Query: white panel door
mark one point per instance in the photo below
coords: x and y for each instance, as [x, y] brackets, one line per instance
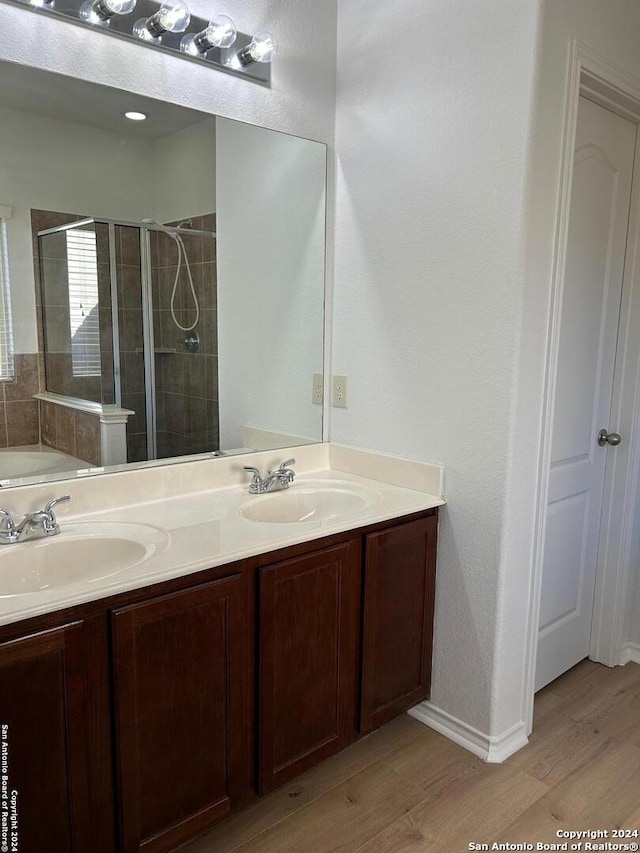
[598, 221]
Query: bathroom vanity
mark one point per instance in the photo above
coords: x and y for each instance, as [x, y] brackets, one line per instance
[168, 696]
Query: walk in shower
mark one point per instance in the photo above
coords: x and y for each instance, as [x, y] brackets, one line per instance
[129, 320]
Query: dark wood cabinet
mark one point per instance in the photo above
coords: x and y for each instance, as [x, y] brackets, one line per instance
[43, 740]
[308, 649]
[399, 587]
[180, 712]
[136, 722]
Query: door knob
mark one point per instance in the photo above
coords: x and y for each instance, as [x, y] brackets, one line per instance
[611, 438]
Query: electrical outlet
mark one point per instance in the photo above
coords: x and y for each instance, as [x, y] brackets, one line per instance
[317, 394]
[339, 392]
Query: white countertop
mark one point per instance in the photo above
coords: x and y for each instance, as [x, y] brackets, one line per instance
[206, 529]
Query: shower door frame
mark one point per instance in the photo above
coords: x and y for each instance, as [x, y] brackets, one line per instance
[115, 322]
[148, 344]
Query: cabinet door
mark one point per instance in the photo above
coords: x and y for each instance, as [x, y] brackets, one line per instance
[180, 723]
[43, 743]
[309, 639]
[398, 620]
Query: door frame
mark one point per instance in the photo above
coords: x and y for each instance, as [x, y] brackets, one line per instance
[591, 75]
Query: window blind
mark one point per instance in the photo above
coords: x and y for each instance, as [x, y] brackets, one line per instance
[82, 262]
[6, 327]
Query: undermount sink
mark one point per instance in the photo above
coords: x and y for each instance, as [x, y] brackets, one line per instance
[307, 503]
[80, 553]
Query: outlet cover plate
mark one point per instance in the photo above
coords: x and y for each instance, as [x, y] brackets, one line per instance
[317, 391]
[339, 392]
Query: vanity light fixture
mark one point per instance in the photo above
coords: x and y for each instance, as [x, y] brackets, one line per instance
[261, 49]
[172, 17]
[220, 32]
[168, 26]
[132, 115]
[101, 11]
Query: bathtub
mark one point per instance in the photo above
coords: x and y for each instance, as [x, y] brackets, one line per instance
[35, 461]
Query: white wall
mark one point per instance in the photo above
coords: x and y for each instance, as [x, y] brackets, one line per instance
[444, 245]
[56, 165]
[612, 30]
[270, 197]
[185, 172]
[432, 155]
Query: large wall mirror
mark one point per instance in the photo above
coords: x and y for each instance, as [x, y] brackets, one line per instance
[162, 281]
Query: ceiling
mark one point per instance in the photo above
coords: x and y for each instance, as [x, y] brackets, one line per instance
[68, 99]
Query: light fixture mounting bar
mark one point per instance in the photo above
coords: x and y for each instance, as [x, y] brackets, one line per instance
[121, 26]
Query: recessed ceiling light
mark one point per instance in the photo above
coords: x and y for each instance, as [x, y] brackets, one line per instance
[134, 116]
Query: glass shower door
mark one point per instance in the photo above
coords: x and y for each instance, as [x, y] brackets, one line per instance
[130, 319]
[128, 262]
[183, 286]
[76, 300]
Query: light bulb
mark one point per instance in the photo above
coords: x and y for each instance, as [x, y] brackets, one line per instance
[100, 11]
[172, 17]
[220, 32]
[262, 49]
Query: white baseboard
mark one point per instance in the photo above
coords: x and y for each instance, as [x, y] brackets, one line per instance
[630, 653]
[494, 749]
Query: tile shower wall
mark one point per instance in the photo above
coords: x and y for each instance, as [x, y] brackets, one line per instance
[70, 431]
[186, 382]
[25, 421]
[19, 415]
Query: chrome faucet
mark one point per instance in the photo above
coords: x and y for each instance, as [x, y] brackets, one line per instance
[35, 525]
[274, 481]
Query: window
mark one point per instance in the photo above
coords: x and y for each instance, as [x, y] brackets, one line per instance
[82, 262]
[6, 326]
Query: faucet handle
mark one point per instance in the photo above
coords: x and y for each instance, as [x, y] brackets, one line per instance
[284, 471]
[8, 531]
[49, 522]
[257, 483]
[257, 476]
[55, 502]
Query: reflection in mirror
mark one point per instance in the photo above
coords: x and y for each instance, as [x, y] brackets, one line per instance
[102, 346]
[162, 289]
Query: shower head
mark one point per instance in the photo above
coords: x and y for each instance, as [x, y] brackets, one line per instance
[168, 230]
[186, 223]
